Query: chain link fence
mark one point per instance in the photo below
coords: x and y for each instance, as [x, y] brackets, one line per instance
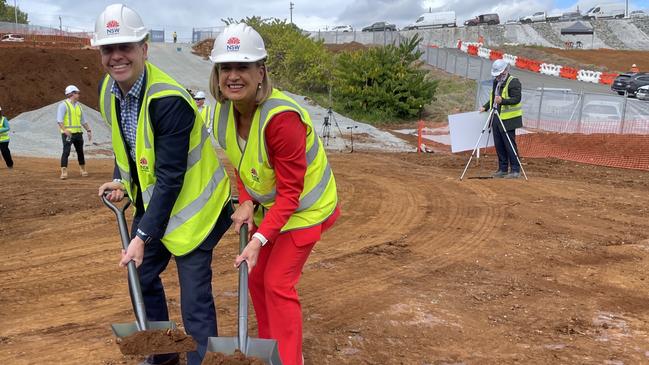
[28, 29]
[200, 34]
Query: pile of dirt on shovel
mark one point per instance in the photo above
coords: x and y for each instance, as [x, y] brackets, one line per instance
[238, 358]
[156, 342]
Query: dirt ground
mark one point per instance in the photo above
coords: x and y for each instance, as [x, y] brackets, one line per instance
[32, 78]
[421, 268]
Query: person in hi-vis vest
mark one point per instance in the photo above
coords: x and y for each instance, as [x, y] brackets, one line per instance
[4, 141]
[281, 165]
[167, 166]
[203, 109]
[70, 118]
[506, 95]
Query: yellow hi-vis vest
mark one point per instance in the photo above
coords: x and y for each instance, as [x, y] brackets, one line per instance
[507, 111]
[72, 118]
[4, 136]
[205, 115]
[318, 198]
[206, 187]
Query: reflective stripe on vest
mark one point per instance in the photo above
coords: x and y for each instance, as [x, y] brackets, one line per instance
[4, 136]
[319, 197]
[508, 111]
[72, 118]
[206, 187]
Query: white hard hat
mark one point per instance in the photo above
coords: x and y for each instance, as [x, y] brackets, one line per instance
[199, 95]
[498, 67]
[238, 43]
[118, 24]
[70, 89]
[634, 65]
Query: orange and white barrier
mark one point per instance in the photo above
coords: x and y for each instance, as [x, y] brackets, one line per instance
[589, 76]
[551, 69]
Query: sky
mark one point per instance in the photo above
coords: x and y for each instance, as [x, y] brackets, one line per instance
[182, 16]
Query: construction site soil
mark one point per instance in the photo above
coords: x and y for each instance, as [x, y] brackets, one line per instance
[420, 269]
[32, 78]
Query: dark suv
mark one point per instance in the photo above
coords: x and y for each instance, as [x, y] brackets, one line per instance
[621, 82]
[638, 80]
[489, 19]
[380, 27]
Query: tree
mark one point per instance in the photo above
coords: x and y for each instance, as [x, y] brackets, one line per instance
[7, 13]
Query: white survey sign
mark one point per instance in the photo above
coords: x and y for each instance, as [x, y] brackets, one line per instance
[465, 129]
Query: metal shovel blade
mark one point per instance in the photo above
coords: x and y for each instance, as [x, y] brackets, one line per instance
[266, 350]
[126, 329]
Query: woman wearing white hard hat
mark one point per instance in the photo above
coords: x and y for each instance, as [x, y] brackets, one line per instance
[180, 191]
[71, 118]
[506, 97]
[281, 165]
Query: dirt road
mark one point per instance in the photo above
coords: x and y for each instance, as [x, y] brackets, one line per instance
[420, 269]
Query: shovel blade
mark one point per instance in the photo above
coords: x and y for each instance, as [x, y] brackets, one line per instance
[126, 329]
[264, 349]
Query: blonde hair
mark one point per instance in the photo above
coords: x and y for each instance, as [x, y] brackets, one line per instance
[263, 93]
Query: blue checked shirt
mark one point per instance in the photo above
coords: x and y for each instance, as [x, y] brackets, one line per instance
[129, 107]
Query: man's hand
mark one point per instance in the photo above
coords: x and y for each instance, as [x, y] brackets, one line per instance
[242, 215]
[498, 100]
[89, 136]
[67, 132]
[482, 109]
[117, 191]
[135, 253]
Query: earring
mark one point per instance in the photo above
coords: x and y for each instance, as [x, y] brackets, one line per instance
[259, 86]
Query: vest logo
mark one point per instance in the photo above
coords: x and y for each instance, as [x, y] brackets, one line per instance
[254, 174]
[144, 164]
[112, 27]
[233, 44]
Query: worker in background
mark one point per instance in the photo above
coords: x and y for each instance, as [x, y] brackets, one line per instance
[281, 165]
[175, 36]
[71, 118]
[505, 96]
[634, 69]
[180, 191]
[4, 140]
[203, 109]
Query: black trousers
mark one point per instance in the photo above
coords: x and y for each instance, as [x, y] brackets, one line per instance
[195, 279]
[75, 139]
[506, 155]
[6, 154]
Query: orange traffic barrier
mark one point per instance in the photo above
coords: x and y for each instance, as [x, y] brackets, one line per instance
[472, 50]
[521, 62]
[568, 73]
[607, 78]
[495, 55]
[534, 66]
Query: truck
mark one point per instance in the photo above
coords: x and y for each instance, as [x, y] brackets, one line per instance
[441, 19]
[490, 19]
[611, 10]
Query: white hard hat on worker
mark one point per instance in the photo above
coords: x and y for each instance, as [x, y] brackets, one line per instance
[498, 67]
[71, 89]
[199, 95]
[118, 24]
[239, 72]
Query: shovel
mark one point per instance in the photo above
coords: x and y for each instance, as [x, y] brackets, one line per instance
[141, 324]
[265, 350]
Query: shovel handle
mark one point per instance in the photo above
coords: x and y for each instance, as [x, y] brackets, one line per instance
[243, 292]
[137, 300]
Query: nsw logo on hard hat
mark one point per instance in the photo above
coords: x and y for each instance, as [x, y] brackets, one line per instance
[233, 44]
[112, 27]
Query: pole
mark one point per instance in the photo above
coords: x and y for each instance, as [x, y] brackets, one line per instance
[16, 12]
[291, 5]
[60, 25]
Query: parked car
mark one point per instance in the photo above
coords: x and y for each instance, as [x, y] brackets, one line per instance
[638, 14]
[539, 16]
[613, 10]
[601, 110]
[380, 26]
[643, 93]
[342, 28]
[621, 82]
[511, 21]
[12, 38]
[489, 19]
[570, 16]
[638, 80]
[431, 20]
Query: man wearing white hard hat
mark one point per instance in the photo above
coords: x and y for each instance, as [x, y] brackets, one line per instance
[281, 165]
[506, 97]
[164, 164]
[70, 118]
[203, 109]
[4, 141]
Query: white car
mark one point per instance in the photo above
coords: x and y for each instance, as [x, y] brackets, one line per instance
[12, 38]
[342, 28]
[642, 93]
[601, 116]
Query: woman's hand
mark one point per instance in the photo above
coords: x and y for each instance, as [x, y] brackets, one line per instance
[243, 214]
[250, 254]
[116, 191]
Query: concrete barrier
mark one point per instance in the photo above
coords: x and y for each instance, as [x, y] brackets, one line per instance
[551, 69]
[484, 52]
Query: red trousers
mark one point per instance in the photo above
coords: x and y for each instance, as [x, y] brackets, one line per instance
[272, 289]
